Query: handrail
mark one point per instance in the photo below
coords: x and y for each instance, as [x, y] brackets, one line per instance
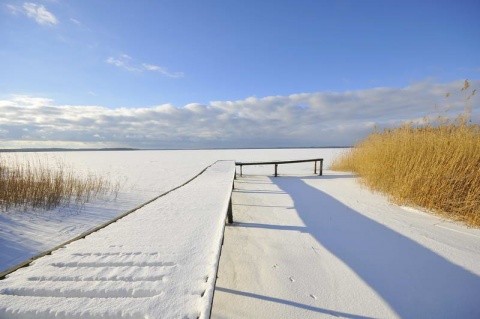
[276, 163]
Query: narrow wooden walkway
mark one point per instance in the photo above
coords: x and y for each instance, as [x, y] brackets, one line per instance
[159, 262]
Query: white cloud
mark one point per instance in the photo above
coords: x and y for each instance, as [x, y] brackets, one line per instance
[13, 9]
[34, 11]
[39, 13]
[305, 119]
[126, 62]
[164, 71]
[28, 101]
[123, 62]
[75, 21]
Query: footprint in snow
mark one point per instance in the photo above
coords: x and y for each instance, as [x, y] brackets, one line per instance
[275, 266]
[313, 296]
[291, 279]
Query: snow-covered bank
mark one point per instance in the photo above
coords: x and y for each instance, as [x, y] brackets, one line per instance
[317, 247]
[142, 175]
[159, 262]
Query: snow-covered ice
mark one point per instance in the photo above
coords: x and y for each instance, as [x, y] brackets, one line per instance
[158, 262]
[321, 247]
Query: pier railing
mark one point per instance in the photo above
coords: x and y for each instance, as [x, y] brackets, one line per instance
[276, 163]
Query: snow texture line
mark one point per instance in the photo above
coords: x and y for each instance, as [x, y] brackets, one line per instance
[115, 254]
[96, 264]
[84, 289]
[105, 278]
[82, 293]
[454, 230]
[113, 314]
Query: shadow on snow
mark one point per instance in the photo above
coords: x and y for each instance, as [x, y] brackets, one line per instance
[292, 303]
[413, 280]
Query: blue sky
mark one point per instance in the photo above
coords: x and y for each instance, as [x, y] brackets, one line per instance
[230, 57]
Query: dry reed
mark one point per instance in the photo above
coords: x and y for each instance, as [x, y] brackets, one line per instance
[37, 185]
[435, 166]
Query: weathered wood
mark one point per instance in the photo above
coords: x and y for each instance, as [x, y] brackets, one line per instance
[276, 163]
[230, 205]
[230, 212]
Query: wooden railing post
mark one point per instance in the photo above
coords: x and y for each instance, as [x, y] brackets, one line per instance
[276, 166]
[315, 168]
[230, 212]
[321, 168]
[230, 206]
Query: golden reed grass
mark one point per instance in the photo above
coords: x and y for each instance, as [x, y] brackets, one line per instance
[435, 166]
[37, 185]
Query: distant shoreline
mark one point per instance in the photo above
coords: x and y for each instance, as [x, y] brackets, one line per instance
[32, 150]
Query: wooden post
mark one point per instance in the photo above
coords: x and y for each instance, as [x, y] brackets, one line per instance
[276, 165]
[230, 207]
[321, 168]
[315, 168]
[241, 170]
[230, 212]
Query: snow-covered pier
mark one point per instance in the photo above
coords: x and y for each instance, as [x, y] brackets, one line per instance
[325, 247]
[159, 262]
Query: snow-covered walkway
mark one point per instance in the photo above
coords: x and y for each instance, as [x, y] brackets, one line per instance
[158, 262]
[322, 247]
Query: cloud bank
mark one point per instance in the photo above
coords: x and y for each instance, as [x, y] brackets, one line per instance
[298, 120]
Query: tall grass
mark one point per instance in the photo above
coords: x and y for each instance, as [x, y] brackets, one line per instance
[435, 166]
[37, 185]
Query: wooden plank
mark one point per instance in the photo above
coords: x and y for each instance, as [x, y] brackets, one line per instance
[277, 162]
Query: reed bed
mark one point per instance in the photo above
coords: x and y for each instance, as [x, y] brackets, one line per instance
[32, 185]
[435, 166]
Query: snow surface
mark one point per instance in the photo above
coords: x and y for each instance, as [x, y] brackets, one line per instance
[158, 262]
[302, 247]
[143, 175]
[322, 247]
